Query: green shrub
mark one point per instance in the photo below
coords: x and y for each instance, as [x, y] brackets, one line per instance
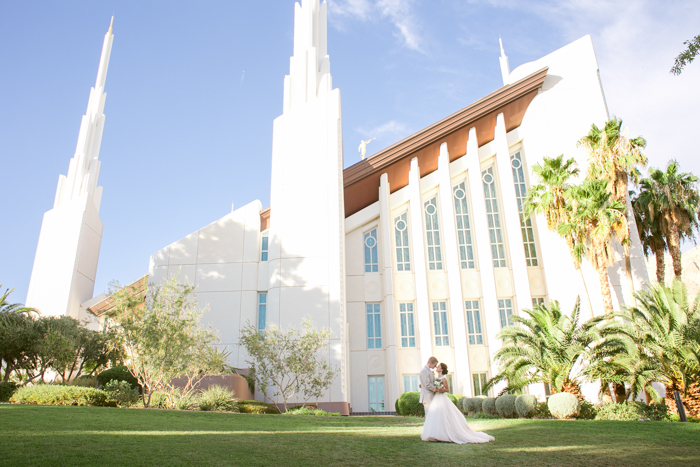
[453, 398]
[188, 402]
[160, 400]
[257, 407]
[311, 411]
[218, 398]
[542, 411]
[396, 407]
[473, 405]
[56, 394]
[121, 393]
[628, 411]
[120, 373]
[409, 404]
[458, 396]
[526, 405]
[302, 406]
[564, 405]
[489, 406]
[505, 406]
[460, 404]
[588, 411]
[6, 390]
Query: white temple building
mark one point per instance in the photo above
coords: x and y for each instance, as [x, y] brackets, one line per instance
[416, 251]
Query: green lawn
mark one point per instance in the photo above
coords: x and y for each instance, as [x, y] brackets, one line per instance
[76, 436]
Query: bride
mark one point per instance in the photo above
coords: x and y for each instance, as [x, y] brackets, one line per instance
[444, 422]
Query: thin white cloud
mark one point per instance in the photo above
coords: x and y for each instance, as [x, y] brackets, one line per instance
[399, 12]
[388, 129]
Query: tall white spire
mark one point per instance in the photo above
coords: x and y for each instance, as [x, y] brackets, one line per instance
[65, 266]
[505, 67]
[84, 167]
[309, 67]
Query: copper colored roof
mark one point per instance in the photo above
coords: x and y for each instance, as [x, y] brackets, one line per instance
[138, 287]
[361, 180]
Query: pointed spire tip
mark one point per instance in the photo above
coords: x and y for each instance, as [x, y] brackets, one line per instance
[111, 23]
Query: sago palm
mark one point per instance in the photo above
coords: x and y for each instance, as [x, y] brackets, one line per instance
[614, 157]
[595, 219]
[674, 203]
[666, 326]
[546, 346]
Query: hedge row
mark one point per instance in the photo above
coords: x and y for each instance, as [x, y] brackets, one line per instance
[408, 404]
[54, 394]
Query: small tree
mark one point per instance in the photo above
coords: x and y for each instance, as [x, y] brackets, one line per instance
[289, 363]
[162, 339]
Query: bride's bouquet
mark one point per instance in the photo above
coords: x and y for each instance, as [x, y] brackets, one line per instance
[438, 384]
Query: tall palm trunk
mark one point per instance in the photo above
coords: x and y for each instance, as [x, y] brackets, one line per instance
[660, 265]
[674, 247]
[604, 282]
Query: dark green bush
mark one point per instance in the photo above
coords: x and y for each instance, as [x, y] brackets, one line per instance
[396, 407]
[120, 373]
[628, 411]
[460, 404]
[564, 405]
[409, 404]
[257, 407]
[121, 393]
[84, 381]
[473, 405]
[587, 411]
[56, 394]
[308, 410]
[301, 406]
[543, 411]
[489, 406]
[219, 399]
[526, 405]
[160, 400]
[505, 406]
[6, 390]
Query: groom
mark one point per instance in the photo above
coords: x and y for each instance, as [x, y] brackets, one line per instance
[427, 388]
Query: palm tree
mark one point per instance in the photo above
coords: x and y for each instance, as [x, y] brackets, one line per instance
[650, 233]
[613, 156]
[595, 219]
[666, 325]
[674, 201]
[547, 346]
[548, 197]
[7, 307]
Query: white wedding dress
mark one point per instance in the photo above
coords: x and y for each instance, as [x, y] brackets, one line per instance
[444, 422]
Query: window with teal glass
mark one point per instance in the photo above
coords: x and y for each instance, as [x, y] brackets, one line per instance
[376, 393]
[408, 329]
[403, 256]
[464, 232]
[371, 255]
[374, 326]
[475, 335]
[440, 327]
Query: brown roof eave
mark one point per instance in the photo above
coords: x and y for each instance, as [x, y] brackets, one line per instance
[444, 127]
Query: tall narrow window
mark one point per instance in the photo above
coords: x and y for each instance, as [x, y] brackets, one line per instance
[516, 163]
[371, 256]
[476, 337]
[479, 383]
[264, 246]
[408, 330]
[262, 311]
[505, 309]
[374, 326]
[442, 336]
[432, 232]
[376, 393]
[498, 251]
[537, 301]
[410, 383]
[403, 258]
[464, 233]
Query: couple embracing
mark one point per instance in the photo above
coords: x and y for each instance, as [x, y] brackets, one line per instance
[443, 421]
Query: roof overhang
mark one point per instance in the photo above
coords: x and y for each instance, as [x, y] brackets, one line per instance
[361, 181]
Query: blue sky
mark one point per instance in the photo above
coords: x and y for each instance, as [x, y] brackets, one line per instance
[193, 88]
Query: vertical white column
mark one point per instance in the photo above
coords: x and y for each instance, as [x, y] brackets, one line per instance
[511, 217]
[385, 225]
[461, 377]
[418, 244]
[483, 245]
